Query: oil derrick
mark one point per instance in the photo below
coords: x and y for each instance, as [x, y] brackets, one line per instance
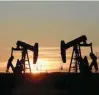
[76, 53]
[24, 47]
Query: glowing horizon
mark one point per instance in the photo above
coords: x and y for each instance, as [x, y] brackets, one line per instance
[49, 59]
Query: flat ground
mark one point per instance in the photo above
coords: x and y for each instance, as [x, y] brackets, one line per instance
[49, 84]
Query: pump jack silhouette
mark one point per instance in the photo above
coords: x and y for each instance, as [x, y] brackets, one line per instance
[76, 53]
[24, 47]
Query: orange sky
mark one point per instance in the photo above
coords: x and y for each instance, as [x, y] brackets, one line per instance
[47, 23]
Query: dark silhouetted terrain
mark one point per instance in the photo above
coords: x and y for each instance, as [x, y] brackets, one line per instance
[49, 84]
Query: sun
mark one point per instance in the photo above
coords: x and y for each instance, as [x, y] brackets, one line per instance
[39, 66]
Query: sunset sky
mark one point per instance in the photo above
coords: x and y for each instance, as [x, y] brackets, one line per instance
[47, 23]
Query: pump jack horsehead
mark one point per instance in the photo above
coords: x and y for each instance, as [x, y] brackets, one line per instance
[24, 47]
[76, 44]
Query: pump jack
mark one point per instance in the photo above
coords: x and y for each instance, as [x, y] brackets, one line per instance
[24, 47]
[76, 53]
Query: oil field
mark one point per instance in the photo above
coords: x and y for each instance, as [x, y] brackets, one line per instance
[49, 47]
[81, 81]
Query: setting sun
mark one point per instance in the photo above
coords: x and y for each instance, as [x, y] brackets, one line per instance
[40, 66]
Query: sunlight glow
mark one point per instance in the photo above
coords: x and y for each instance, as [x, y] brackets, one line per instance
[40, 66]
